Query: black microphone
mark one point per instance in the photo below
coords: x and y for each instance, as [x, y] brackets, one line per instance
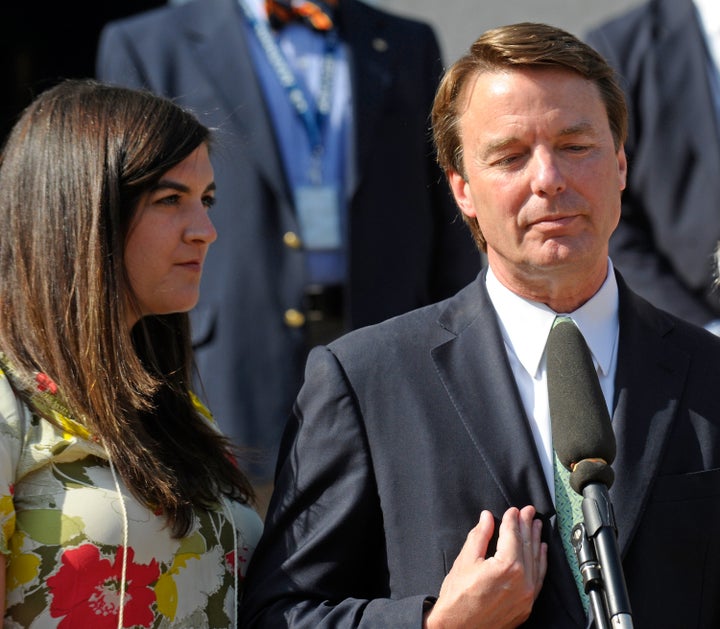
[584, 441]
[582, 433]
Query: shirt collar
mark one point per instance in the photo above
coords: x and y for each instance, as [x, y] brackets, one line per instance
[526, 324]
[257, 8]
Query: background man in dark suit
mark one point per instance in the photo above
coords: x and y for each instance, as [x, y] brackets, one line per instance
[667, 56]
[301, 256]
[405, 432]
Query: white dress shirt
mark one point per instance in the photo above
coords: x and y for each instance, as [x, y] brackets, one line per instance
[525, 326]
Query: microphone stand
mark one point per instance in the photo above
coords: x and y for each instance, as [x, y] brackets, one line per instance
[598, 555]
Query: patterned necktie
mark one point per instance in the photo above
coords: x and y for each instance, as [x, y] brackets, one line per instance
[317, 14]
[568, 507]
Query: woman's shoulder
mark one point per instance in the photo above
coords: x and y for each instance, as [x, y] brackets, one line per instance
[248, 524]
[14, 414]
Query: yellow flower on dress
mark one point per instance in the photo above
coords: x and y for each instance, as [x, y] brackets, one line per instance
[166, 591]
[7, 516]
[200, 407]
[23, 567]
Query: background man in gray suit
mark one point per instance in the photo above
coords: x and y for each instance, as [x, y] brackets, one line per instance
[667, 53]
[301, 255]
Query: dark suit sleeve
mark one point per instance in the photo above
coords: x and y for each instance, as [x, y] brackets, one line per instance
[633, 247]
[321, 561]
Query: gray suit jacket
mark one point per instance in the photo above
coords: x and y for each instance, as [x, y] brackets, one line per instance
[670, 222]
[405, 431]
[407, 246]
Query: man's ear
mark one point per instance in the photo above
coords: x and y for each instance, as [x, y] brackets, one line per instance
[622, 167]
[461, 191]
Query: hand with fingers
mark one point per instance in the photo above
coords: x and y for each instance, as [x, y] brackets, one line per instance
[496, 592]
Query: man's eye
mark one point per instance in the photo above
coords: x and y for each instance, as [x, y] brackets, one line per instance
[507, 160]
[208, 201]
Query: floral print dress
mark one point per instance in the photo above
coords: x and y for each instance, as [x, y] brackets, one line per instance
[71, 530]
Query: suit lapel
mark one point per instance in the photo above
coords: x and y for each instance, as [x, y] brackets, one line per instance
[475, 372]
[219, 39]
[368, 50]
[682, 66]
[650, 378]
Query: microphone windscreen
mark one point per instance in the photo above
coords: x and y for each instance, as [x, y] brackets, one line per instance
[581, 427]
[591, 471]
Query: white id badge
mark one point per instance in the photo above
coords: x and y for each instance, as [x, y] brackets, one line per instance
[319, 214]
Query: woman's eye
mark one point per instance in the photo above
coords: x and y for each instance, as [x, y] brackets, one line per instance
[172, 199]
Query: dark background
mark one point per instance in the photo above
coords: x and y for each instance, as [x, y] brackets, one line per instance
[42, 43]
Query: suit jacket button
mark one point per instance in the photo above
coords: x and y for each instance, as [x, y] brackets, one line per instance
[380, 44]
[292, 240]
[294, 318]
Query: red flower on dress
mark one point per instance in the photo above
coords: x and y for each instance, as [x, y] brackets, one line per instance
[45, 383]
[236, 563]
[85, 591]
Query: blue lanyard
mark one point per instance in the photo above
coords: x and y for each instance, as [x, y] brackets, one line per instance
[314, 124]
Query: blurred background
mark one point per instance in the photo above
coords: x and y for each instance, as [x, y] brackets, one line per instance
[459, 22]
[42, 42]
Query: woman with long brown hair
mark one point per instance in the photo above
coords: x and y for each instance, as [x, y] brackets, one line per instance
[120, 502]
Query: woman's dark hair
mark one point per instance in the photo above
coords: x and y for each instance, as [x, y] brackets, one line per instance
[71, 174]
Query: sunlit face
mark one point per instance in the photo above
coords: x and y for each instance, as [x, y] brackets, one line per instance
[543, 177]
[169, 238]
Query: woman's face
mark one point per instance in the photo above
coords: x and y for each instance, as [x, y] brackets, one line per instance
[169, 237]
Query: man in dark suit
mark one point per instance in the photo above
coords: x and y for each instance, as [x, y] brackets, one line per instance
[405, 432]
[268, 292]
[670, 222]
